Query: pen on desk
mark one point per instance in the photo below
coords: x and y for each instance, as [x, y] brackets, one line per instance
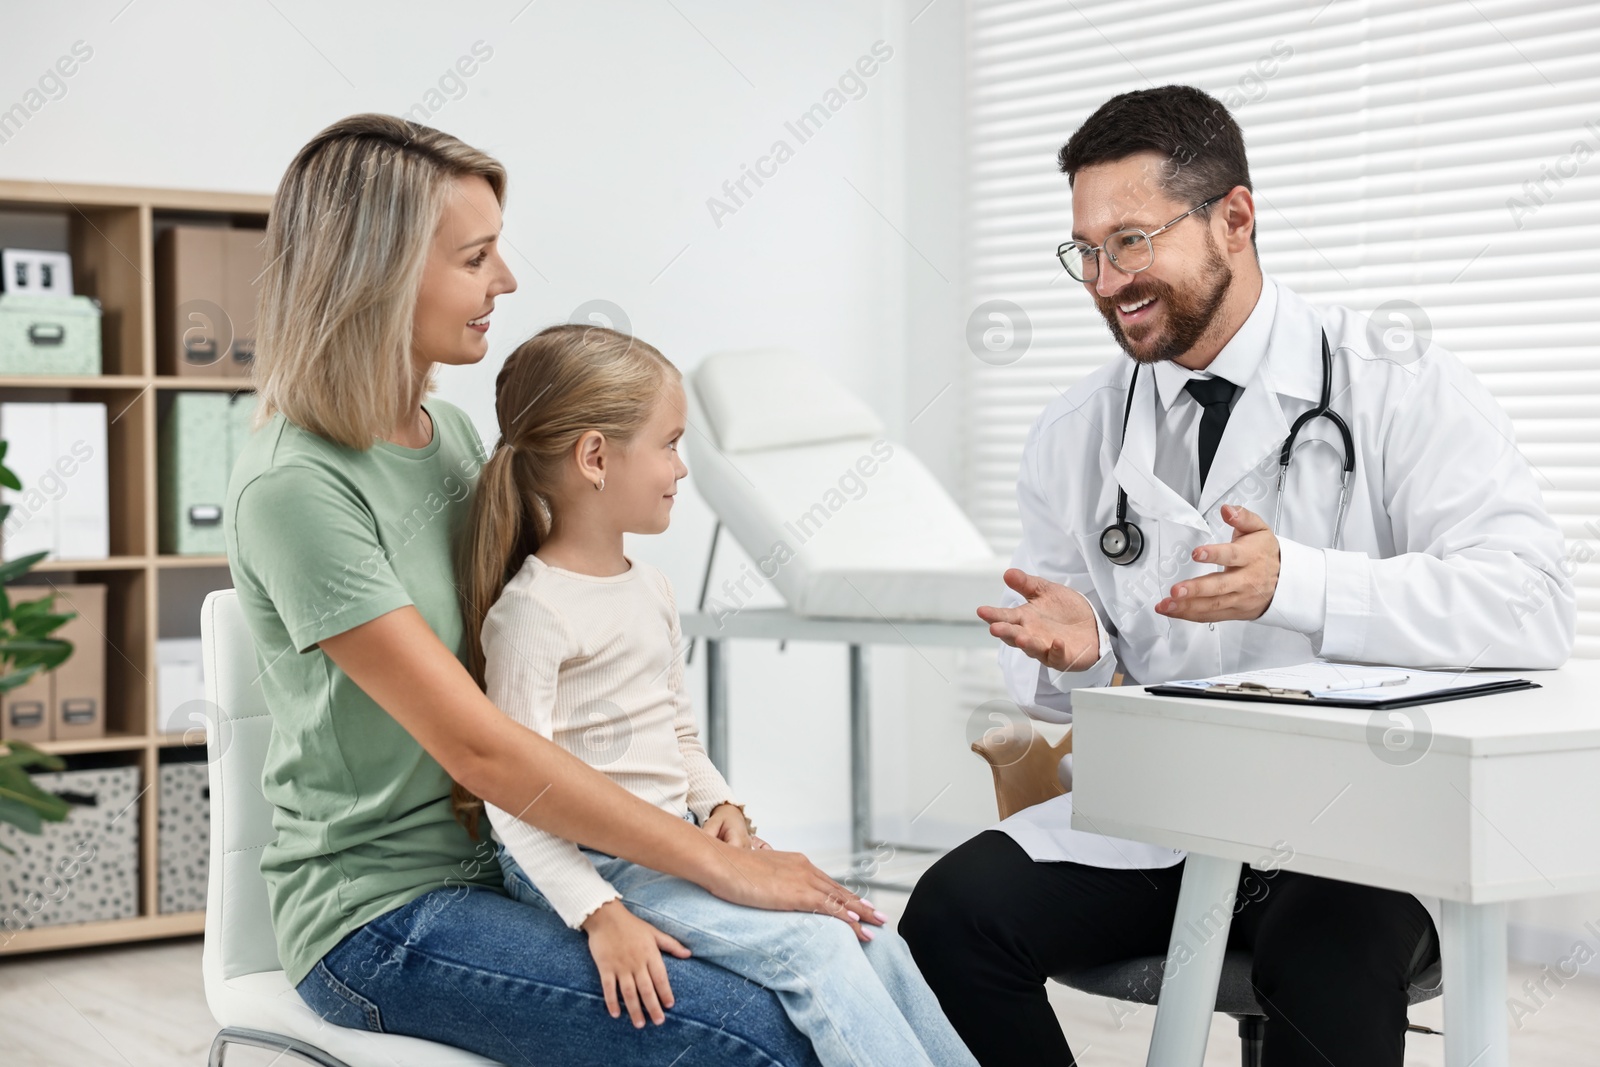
[1365, 683]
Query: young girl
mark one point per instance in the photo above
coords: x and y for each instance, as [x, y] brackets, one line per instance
[581, 644]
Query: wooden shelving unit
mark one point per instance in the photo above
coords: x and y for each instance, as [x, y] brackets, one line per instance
[111, 232]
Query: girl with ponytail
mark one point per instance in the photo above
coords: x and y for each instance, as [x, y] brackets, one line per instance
[579, 642]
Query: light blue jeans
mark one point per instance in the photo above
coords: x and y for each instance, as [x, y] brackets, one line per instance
[862, 1005]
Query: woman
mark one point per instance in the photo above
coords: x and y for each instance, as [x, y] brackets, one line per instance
[343, 514]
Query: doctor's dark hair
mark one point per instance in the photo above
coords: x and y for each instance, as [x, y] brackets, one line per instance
[1199, 140]
[558, 385]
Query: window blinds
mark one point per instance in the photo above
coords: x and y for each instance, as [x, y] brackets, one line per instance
[1440, 153]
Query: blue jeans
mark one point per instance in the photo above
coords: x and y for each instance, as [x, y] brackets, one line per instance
[862, 1005]
[473, 968]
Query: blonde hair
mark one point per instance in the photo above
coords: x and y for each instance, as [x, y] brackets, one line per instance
[558, 385]
[348, 236]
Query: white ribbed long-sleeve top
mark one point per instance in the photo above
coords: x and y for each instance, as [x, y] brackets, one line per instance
[594, 664]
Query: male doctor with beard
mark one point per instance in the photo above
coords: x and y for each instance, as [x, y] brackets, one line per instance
[1434, 551]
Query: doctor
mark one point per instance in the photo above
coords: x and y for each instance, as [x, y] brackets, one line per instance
[1409, 531]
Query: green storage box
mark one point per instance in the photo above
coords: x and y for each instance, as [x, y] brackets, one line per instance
[42, 334]
[200, 439]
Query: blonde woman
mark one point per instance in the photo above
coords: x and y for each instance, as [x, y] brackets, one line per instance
[344, 514]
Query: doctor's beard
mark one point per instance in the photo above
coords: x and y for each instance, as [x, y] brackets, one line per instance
[1185, 316]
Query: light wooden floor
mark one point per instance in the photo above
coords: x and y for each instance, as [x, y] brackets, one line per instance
[144, 1006]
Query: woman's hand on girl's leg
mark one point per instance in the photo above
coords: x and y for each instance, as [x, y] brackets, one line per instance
[627, 950]
[787, 881]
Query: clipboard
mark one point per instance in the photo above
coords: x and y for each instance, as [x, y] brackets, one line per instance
[1277, 695]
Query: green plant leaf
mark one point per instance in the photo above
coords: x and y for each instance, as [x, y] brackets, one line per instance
[16, 568]
[19, 677]
[15, 754]
[44, 645]
[41, 606]
[9, 480]
[25, 649]
[21, 816]
[33, 799]
[43, 625]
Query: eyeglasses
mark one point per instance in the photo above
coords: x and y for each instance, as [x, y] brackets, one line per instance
[1129, 250]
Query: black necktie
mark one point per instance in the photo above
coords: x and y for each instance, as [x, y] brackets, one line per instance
[1214, 394]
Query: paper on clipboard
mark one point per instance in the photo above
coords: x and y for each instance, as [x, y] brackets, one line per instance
[1321, 679]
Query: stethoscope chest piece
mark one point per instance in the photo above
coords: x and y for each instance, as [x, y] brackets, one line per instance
[1122, 542]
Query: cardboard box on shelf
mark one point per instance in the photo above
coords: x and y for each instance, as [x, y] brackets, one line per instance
[78, 703]
[180, 683]
[26, 715]
[67, 703]
[58, 451]
[200, 439]
[206, 282]
[245, 262]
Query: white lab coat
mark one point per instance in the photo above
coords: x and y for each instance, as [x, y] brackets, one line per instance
[1448, 558]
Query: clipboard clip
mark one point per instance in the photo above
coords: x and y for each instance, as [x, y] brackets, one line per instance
[1258, 690]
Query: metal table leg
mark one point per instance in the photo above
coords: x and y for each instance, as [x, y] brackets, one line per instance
[1472, 944]
[860, 754]
[717, 706]
[1194, 961]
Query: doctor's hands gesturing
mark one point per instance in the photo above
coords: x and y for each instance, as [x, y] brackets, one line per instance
[1243, 588]
[1054, 624]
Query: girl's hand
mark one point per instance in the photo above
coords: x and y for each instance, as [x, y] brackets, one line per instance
[787, 881]
[728, 823]
[628, 952]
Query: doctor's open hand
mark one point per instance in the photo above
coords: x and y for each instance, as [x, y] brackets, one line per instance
[1054, 624]
[1243, 588]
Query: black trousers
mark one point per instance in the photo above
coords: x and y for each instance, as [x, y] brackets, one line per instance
[988, 926]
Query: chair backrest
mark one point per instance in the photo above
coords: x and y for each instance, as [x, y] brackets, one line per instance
[239, 938]
[1027, 768]
[796, 457]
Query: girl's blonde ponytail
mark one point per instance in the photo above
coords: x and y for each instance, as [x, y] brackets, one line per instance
[558, 385]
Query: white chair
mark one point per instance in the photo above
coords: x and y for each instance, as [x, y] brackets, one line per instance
[790, 455]
[246, 988]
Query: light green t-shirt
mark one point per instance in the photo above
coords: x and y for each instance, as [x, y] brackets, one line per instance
[322, 538]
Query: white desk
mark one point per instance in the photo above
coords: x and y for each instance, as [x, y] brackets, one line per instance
[1497, 799]
[780, 624]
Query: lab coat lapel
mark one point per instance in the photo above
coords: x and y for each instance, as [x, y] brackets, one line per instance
[1255, 427]
[1258, 424]
[1148, 495]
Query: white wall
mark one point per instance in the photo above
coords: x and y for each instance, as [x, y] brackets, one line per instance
[617, 122]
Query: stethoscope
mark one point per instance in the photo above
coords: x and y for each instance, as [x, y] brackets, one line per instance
[1123, 541]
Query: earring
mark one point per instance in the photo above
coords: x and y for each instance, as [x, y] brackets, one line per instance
[601, 485]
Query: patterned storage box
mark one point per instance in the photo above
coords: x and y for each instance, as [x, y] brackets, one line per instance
[201, 436]
[183, 842]
[84, 869]
[42, 333]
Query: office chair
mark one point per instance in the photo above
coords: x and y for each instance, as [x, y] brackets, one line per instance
[246, 988]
